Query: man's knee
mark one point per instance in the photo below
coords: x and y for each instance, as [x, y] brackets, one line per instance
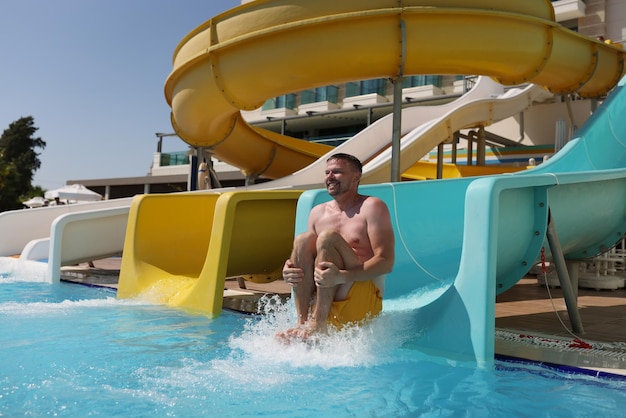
[328, 237]
[305, 240]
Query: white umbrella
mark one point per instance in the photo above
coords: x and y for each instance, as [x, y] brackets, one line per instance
[76, 192]
[35, 202]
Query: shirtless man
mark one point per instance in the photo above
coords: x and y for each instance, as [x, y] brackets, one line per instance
[340, 263]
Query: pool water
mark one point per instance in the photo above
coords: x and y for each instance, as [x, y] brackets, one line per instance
[73, 351]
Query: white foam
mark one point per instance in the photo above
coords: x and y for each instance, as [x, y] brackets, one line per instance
[17, 270]
[63, 307]
[417, 299]
[255, 360]
[257, 357]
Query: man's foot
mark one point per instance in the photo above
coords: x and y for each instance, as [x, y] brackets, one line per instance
[307, 332]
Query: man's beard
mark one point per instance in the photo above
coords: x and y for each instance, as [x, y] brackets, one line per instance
[334, 188]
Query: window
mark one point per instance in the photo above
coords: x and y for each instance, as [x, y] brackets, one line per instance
[174, 158]
[359, 88]
[320, 94]
[287, 101]
[422, 80]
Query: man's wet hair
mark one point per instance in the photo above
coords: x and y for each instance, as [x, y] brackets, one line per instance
[349, 158]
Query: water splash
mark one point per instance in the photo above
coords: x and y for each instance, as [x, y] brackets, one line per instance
[164, 291]
[256, 347]
[418, 298]
[253, 362]
[67, 307]
[17, 270]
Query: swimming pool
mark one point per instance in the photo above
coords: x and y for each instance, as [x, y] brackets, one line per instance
[70, 350]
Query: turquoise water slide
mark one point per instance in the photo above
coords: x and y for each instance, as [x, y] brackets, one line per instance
[460, 242]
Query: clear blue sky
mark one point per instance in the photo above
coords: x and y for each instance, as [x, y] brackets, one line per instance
[91, 73]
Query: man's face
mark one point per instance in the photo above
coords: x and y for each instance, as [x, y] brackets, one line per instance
[340, 177]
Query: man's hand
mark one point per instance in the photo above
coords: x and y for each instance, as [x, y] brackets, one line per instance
[327, 274]
[292, 274]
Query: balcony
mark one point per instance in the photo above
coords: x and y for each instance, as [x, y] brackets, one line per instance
[279, 107]
[321, 99]
[568, 9]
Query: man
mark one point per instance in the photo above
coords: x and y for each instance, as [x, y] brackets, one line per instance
[340, 263]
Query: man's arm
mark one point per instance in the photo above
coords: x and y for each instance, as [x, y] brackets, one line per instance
[380, 232]
[382, 239]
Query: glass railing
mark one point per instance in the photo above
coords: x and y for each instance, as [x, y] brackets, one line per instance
[320, 94]
[330, 140]
[287, 101]
[359, 88]
[174, 158]
[421, 80]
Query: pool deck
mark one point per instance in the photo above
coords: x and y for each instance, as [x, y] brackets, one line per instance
[531, 319]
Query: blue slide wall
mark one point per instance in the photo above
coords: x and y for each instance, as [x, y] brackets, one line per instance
[459, 242]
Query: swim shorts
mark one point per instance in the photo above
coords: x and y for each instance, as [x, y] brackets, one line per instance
[363, 301]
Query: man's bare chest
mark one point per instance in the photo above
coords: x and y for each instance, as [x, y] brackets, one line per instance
[353, 229]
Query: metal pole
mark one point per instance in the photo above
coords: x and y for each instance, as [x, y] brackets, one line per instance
[470, 148]
[455, 141]
[192, 183]
[563, 275]
[480, 146]
[439, 161]
[397, 107]
[396, 129]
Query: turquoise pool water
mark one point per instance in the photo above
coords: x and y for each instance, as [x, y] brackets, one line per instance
[74, 351]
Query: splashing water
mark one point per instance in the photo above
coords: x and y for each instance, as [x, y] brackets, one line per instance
[15, 269]
[352, 346]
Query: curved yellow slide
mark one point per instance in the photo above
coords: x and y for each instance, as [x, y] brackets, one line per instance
[184, 261]
[267, 48]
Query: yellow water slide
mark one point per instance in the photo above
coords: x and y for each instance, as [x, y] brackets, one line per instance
[180, 248]
[425, 170]
[268, 48]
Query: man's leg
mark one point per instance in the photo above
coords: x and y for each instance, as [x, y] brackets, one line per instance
[331, 247]
[303, 256]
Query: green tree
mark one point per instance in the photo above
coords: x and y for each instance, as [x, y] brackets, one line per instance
[18, 162]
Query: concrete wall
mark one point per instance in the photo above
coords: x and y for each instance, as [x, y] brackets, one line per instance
[616, 21]
[540, 122]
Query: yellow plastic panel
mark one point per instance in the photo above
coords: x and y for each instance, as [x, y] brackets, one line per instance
[167, 236]
[428, 171]
[209, 236]
[252, 234]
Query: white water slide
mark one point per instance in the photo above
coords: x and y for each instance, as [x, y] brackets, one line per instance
[76, 233]
[423, 128]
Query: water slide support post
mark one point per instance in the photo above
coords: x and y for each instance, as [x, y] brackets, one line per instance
[440, 152]
[480, 146]
[397, 124]
[397, 108]
[192, 178]
[563, 275]
[470, 147]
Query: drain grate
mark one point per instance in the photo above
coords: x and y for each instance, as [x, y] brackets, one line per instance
[614, 353]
